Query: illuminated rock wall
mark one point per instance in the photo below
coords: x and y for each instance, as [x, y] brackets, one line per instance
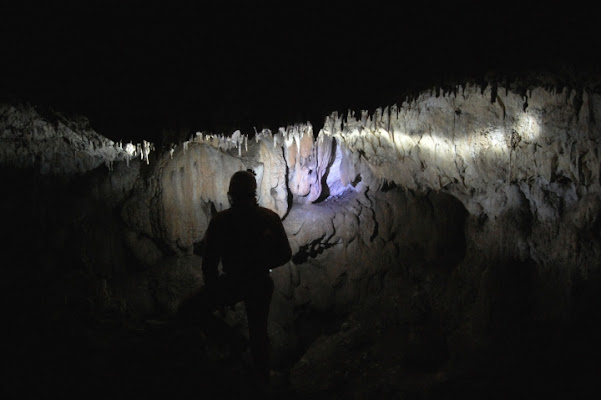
[469, 140]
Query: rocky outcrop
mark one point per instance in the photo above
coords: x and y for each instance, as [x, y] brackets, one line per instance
[58, 145]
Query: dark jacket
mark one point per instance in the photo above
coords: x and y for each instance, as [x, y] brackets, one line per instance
[249, 241]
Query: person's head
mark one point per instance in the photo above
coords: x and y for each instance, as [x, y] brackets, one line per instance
[243, 187]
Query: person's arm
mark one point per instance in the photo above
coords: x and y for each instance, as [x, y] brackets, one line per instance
[210, 260]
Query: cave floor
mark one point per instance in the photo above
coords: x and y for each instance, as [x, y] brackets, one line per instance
[153, 358]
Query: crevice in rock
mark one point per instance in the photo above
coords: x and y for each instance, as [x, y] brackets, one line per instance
[289, 195]
[311, 250]
[387, 186]
[325, 189]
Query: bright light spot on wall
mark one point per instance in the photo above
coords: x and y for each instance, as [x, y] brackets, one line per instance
[497, 138]
[528, 127]
[130, 149]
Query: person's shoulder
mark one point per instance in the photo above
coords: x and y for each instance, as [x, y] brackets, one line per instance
[222, 215]
[267, 212]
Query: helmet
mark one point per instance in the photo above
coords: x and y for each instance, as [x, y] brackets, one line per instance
[242, 185]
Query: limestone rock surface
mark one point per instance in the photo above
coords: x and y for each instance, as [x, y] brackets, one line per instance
[476, 212]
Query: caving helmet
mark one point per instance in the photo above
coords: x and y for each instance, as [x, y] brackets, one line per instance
[243, 187]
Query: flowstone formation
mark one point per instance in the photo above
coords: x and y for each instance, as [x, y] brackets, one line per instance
[471, 217]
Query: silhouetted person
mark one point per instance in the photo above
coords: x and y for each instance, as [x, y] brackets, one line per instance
[249, 240]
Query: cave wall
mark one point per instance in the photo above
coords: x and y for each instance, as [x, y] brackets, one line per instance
[482, 201]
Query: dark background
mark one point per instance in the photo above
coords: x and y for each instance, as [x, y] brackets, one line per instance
[219, 66]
